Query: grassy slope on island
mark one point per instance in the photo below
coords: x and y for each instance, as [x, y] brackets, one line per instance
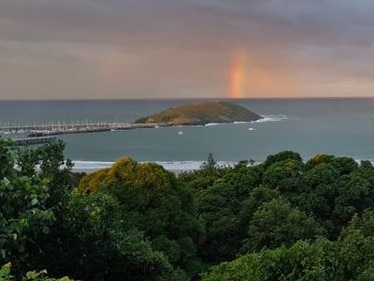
[201, 113]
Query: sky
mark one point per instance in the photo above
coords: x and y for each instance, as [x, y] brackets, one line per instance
[129, 49]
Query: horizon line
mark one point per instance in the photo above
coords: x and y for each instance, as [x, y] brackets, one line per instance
[190, 98]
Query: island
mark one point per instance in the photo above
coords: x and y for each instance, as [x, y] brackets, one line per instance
[201, 113]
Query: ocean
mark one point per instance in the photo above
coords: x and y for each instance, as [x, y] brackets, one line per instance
[343, 127]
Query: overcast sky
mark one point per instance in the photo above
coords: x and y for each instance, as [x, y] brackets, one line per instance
[73, 49]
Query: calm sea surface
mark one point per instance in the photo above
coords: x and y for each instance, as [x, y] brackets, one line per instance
[308, 126]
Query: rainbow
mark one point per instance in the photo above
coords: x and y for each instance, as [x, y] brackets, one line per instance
[237, 74]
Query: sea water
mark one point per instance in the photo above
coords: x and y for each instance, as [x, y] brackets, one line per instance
[342, 127]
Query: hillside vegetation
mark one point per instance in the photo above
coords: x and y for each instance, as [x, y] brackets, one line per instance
[201, 113]
[284, 219]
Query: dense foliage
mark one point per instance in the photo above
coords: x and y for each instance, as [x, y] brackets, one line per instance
[283, 219]
[42, 275]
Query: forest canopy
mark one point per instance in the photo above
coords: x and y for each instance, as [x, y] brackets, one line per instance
[283, 219]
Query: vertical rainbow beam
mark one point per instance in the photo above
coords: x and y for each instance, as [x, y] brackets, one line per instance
[237, 73]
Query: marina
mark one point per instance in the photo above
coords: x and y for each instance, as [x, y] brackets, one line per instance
[61, 128]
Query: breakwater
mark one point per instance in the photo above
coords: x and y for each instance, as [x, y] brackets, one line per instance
[34, 141]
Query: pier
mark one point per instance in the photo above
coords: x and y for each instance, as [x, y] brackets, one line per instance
[60, 128]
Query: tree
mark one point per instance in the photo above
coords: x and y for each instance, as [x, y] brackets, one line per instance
[5, 275]
[243, 178]
[209, 164]
[53, 170]
[217, 207]
[276, 223]
[96, 241]
[284, 176]
[281, 156]
[153, 201]
[303, 261]
[318, 192]
[24, 214]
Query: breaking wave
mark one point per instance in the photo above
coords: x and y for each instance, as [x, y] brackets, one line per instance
[168, 165]
[272, 118]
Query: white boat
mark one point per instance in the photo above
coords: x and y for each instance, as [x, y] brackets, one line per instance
[180, 132]
[251, 129]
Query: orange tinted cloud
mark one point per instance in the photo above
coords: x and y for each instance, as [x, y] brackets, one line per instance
[266, 81]
[256, 74]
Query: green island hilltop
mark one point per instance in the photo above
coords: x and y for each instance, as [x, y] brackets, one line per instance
[201, 113]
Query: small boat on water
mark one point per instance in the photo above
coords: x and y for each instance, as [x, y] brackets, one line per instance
[251, 129]
[180, 132]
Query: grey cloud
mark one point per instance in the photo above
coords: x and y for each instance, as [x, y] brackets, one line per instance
[161, 22]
